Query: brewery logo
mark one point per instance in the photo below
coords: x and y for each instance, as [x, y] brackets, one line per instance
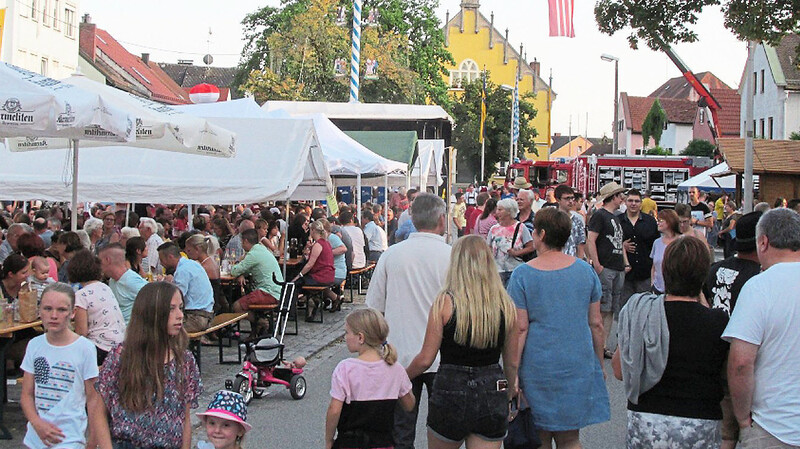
[13, 114]
[32, 143]
[143, 131]
[96, 132]
[232, 146]
[207, 149]
[67, 117]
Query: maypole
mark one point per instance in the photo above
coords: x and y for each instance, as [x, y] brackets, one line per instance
[355, 59]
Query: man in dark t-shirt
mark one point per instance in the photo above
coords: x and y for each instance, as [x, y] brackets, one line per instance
[604, 248]
[639, 231]
[723, 284]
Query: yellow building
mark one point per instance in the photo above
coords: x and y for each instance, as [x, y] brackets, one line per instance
[475, 43]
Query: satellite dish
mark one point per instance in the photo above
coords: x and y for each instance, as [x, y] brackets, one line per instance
[208, 59]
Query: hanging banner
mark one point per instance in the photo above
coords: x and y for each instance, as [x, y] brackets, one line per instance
[2, 28]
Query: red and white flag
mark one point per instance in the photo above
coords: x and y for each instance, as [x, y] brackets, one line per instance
[561, 18]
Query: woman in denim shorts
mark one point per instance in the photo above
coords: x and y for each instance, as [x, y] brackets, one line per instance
[471, 324]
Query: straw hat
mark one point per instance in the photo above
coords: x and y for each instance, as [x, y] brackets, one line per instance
[610, 189]
[521, 183]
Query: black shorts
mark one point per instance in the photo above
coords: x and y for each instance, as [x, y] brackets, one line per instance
[465, 401]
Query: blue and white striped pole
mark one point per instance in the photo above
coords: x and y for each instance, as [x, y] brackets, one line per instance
[355, 60]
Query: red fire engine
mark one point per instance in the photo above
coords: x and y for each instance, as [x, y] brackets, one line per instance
[658, 174]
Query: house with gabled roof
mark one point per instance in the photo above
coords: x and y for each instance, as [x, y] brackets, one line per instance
[685, 122]
[776, 90]
[188, 75]
[126, 71]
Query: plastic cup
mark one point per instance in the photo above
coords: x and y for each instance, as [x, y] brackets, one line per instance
[8, 313]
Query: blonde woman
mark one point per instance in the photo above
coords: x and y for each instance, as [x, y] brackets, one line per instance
[471, 324]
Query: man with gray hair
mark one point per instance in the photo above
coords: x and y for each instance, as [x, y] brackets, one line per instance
[235, 243]
[12, 235]
[524, 204]
[148, 230]
[407, 279]
[764, 333]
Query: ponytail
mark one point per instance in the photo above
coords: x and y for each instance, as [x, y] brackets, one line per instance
[389, 353]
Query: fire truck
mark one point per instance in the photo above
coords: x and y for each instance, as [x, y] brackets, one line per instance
[658, 174]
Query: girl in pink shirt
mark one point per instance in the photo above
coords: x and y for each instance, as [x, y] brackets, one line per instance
[365, 389]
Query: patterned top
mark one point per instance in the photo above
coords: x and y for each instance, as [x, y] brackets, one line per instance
[106, 326]
[577, 236]
[499, 240]
[161, 426]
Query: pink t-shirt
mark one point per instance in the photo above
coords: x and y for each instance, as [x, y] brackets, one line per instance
[358, 380]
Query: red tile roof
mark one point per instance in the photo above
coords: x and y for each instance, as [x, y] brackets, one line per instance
[160, 86]
[678, 87]
[678, 110]
[729, 113]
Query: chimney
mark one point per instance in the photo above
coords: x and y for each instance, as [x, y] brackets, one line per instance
[145, 58]
[557, 135]
[505, 49]
[447, 28]
[536, 66]
[491, 32]
[86, 37]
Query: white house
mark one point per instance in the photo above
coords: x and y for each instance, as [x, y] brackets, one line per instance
[683, 123]
[40, 35]
[776, 91]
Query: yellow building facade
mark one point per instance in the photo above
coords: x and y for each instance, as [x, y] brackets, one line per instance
[475, 43]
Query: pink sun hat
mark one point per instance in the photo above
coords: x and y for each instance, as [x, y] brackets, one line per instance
[230, 406]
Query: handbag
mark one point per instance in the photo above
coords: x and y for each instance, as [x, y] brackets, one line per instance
[522, 433]
[525, 257]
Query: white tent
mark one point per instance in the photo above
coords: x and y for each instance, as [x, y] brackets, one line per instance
[706, 181]
[428, 166]
[276, 160]
[361, 110]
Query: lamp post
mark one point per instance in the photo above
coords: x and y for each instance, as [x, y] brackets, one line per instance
[608, 58]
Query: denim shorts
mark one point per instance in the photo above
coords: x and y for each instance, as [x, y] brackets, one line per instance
[465, 401]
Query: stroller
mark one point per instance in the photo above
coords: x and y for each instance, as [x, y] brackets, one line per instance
[263, 361]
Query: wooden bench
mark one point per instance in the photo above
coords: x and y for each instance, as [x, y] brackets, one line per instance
[221, 321]
[358, 272]
[316, 290]
[264, 311]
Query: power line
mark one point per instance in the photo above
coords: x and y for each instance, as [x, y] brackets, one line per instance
[175, 51]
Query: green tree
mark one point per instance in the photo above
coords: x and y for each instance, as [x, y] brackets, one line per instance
[667, 21]
[699, 147]
[466, 112]
[794, 136]
[290, 51]
[653, 125]
[658, 151]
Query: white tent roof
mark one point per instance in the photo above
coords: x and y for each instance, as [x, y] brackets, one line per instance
[361, 110]
[704, 181]
[276, 159]
[429, 162]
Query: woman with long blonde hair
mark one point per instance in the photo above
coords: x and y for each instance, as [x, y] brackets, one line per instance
[151, 381]
[471, 324]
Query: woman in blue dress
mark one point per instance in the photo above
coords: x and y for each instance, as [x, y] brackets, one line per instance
[561, 330]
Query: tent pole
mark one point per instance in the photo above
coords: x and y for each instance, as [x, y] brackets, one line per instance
[189, 217]
[286, 241]
[386, 203]
[358, 197]
[128, 209]
[74, 213]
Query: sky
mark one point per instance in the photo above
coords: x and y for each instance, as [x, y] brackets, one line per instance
[179, 29]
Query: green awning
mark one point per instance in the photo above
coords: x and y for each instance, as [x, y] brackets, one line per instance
[400, 146]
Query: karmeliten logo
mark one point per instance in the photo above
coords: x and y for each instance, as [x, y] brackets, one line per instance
[142, 130]
[96, 131]
[67, 117]
[13, 114]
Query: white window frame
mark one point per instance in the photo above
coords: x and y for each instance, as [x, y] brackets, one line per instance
[467, 72]
[34, 11]
[69, 23]
[56, 11]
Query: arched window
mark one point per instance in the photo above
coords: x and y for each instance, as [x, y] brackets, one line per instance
[467, 72]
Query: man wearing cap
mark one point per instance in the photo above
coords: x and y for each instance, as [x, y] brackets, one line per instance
[723, 284]
[764, 333]
[604, 248]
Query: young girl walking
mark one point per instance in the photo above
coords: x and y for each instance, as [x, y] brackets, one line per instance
[60, 371]
[225, 421]
[366, 389]
[151, 381]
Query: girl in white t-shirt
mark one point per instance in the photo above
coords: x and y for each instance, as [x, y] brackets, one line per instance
[365, 389]
[60, 371]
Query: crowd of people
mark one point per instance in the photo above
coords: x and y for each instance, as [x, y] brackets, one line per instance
[520, 302]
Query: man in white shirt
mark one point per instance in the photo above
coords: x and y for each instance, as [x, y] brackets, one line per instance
[376, 236]
[147, 229]
[764, 332]
[406, 281]
[356, 237]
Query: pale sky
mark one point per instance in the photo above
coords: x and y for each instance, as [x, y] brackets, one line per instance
[178, 29]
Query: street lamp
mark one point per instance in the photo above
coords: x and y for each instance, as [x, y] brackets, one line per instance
[608, 58]
[508, 88]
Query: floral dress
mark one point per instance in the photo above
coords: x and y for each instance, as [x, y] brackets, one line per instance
[162, 425]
